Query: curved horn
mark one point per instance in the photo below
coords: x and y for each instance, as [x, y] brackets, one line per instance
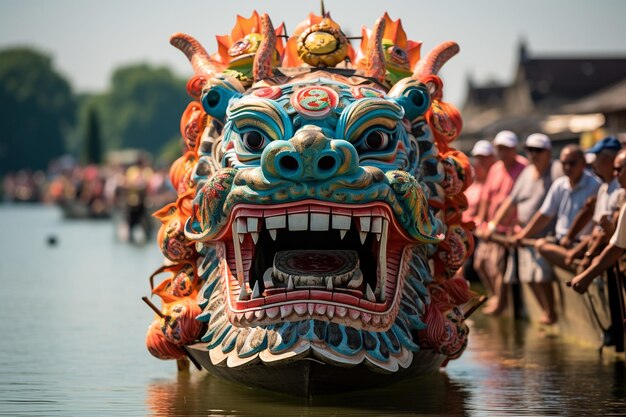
[376, 67]
[262, 67]
[435, 59]
[200, 60]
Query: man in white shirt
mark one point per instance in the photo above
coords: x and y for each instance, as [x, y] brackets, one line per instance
[617, 244]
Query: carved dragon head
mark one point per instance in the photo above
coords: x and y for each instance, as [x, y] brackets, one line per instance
[319, 207]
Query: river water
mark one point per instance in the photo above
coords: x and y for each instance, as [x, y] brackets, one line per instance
[72, 332]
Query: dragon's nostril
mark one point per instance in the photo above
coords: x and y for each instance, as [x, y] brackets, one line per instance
[326, 163]
[289, 163]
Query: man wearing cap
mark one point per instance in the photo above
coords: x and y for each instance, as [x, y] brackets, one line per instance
[604, 203]
[527, 196]
[490, 257]
[617, 244]
[564, 200]
[483, 157]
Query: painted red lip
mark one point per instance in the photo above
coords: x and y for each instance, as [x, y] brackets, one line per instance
[331, 262]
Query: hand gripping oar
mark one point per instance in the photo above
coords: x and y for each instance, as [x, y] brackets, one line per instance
[505, 241]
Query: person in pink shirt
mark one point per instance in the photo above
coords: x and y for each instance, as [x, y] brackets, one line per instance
[490, 257]
[483, 157]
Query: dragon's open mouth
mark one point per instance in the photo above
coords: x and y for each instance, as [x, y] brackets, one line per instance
[311, 259]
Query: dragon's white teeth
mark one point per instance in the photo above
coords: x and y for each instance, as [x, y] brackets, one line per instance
[242, 226]
[256, 291]
[319, 222]
[238, 258]
[286, 310]
[364, 223]
[356, 280]
[276, 222]
[268, 281]
[377, 225]
[341, 222]
[300, 309]
[253, 224]
[382, 260]
[243, 294]
[369, 294]
[298, 221]
[272, 312]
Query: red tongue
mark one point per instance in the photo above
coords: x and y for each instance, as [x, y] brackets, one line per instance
[315, 263]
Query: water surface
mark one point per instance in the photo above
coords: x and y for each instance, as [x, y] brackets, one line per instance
[72, 344]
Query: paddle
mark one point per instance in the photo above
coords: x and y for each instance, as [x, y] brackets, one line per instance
[163, 316]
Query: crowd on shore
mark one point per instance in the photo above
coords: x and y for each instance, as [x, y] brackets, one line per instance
[133, 189]
[531, 212]
[535, 213]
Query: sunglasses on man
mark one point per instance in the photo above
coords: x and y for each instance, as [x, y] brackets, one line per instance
[532, 149]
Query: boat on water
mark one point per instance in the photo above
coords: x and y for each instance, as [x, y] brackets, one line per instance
[308, 376]
[317, 232]
[78, 210]
[595, 319]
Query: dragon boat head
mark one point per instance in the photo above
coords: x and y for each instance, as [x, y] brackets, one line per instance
[317, 228]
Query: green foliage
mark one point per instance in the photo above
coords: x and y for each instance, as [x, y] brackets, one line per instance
[143, 108]
[41, 119]
[171, 151]
[38, 109]
[92, 148]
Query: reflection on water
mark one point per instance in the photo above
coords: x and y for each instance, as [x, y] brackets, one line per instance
[202, 394]
[72, 344]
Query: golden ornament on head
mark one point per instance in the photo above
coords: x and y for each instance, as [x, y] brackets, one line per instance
[323, 44]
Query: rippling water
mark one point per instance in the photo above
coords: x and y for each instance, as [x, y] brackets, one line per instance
[72, 334]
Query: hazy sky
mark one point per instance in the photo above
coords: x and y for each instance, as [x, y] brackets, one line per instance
[88, 39]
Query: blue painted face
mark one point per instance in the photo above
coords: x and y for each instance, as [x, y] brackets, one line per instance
[315, 203]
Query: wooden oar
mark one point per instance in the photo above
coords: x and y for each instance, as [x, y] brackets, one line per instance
[163, 316]
[505, 241]
[480, 301]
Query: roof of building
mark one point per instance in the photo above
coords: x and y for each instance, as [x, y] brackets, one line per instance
[547, 93]
[609, 99]
[571, 78]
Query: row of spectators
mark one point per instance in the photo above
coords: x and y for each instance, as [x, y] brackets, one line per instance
[133, 189]
[553, 212]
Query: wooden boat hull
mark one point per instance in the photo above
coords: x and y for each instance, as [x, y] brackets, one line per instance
[309, 376]
[590, 318]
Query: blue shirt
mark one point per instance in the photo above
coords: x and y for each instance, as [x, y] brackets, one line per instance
[564, 202]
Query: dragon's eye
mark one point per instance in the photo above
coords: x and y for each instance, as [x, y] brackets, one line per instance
[253, 140]
[376, 140]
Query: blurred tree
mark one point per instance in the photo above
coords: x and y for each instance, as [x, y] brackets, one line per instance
[37, 110]
[143, 108]
[92, 145]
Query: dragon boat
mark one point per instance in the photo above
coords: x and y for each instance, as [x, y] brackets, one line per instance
[596, 318]
[315, 241]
